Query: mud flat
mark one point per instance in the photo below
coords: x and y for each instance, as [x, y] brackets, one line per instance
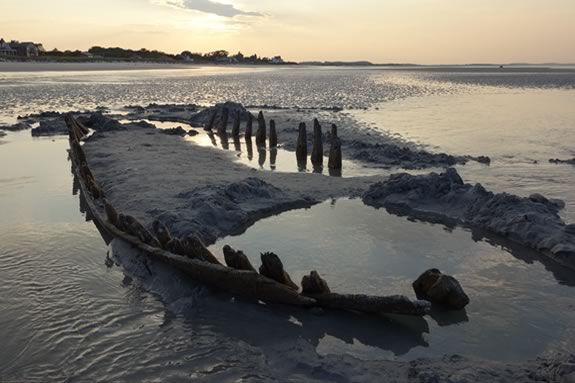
[66, 67]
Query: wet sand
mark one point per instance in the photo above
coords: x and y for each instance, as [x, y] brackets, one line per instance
[89, 66]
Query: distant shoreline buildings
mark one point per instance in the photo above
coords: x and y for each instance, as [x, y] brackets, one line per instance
[20, 49]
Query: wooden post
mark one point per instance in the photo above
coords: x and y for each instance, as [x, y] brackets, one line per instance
[334, 162]
[261, 132]
[223, 121]
[248, 134]
[273, 135]
[317, 149]
[301, 148]
[236, 126]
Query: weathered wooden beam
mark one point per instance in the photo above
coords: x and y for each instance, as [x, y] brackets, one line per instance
[371, 304]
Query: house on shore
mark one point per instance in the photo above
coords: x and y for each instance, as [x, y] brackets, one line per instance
[20, 49]
[6, 49]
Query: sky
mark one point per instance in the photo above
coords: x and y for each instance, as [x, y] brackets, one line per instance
[381, 31]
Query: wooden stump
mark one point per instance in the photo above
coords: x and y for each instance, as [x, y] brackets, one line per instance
[301, 147]
[273, 135]
[273, 268]
[317, 149]
[313, 284]
[334, 162]
[261, 132]
[222, 129]
[236, 126]
[237, 259]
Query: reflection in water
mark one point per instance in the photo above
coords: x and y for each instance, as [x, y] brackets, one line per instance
[273, 158]
[279, 159]
[271, 325]
[224, 141]
[237, 144]
[250, 149]
[212, 138]
[262, 155]
[562, 274]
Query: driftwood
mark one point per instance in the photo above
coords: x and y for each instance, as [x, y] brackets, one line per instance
[301, 146]
[273, 134]
[223, 126]
[249, 127]
[237, 259]
[244, 283]
[272, 267]
[236, 125]
[261, 132]
[317, 149]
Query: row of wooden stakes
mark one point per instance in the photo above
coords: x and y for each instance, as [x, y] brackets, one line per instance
[317, 152]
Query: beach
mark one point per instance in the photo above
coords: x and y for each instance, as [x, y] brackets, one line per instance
[407, 200]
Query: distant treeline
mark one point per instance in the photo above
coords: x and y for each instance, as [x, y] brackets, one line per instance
[121, 54]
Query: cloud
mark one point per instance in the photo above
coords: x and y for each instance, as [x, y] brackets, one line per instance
[213, 7]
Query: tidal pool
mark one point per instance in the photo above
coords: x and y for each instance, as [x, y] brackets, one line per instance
[521, 302]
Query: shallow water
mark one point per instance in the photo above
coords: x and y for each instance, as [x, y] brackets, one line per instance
[69, 312]
[515, 293]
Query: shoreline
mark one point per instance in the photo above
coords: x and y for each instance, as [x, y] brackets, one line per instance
[15, 67]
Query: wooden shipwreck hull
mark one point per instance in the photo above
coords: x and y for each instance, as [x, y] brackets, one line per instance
[243, 283]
